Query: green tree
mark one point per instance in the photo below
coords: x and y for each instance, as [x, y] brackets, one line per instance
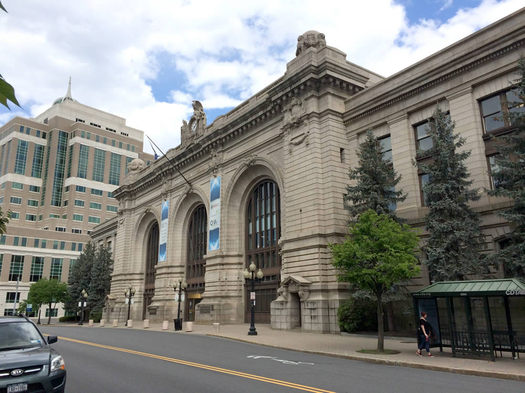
[100, 280]
[80, 276]
[510, 180]
[48, 292]
[378, 253]
[6, 90]
[4, 220]
[375, 182]
[454, 242]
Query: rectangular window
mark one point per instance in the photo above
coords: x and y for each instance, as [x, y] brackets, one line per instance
[24, 242]
[493, 168]
[83, 161]
[16, 268]
[424, 179]
[114, 169]
[17, 186]
[16, 240]
[55, 244]
[30, 217]
[110, 195]
[15, 200]
[1, 260]
[80, 189]
[8, 312]
[80, 246]
[53, 215]
[21, 157]
[495, 110]
[73, 246]
[385, 143]
[78, 217]
[12, 297]
[60, 229]
[36, 243]
[56, 269]
[113, 209]
[94, 220]
[53, 312]
[37, 268]
[2, 240]
[76, 230]
[32, 202]
[15, 216]
[58, 179]
[94, 191]
[95, 205]
[71, 265]
[79, 202]
[38, 159]
[98, 165]
[63, 245]
[424, 141]
[44, 243]
[34, 188]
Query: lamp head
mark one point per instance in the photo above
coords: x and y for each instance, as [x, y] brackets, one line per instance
[260, 274]
[184, 284]
[246, 273]
[252, 267]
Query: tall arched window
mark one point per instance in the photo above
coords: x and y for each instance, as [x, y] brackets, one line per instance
[263, 230]
[152, 257]
[195, 264]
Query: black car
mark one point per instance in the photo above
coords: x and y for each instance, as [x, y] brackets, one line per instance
[27, 362]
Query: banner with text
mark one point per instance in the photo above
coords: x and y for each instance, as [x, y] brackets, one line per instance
[163, 235]
[215, 213]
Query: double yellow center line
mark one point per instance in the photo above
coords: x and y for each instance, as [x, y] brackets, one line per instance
[203, 366]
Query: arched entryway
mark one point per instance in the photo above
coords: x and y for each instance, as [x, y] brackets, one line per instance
[152, 256]
[195, 264]
[263, 230]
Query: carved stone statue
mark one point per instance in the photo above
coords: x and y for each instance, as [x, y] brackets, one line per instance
[136, 166]
[310, 39]
[195, 128]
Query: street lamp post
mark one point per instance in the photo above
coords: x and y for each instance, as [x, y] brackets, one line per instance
[251, 275]
[129, 293]
[83, 297]
[181, 286]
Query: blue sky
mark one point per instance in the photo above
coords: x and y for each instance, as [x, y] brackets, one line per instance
[146, 61]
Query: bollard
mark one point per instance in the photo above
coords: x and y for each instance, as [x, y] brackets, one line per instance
[130, 323]
[146, 323]
[189, 327]
[90, 322]
[115, 322]
[102, 322]
[217, 326]
[165, 325]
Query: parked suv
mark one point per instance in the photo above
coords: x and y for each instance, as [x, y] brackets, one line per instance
[27, 362]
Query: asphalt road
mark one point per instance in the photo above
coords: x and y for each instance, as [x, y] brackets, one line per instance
[101, 360]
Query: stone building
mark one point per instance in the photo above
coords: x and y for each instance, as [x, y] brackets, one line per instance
[58, 172]
[265, 182]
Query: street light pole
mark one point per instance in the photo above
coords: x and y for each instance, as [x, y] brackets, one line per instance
[83, 297]
[180, 287]
[251, 275]
[129, 293]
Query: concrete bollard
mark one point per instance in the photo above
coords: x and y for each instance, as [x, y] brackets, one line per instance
[130, 323]
[90, 323]
[189, 327]
[102, 323]
[165, 325]
[146, 323]
[217, 326]
[115, 322]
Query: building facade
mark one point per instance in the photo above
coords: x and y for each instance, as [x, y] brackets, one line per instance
[265, 182]
[58, 172]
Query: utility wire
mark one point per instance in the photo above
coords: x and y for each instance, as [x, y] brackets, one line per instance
[171, 162]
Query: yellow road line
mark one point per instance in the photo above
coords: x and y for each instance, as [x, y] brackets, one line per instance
[203, 366]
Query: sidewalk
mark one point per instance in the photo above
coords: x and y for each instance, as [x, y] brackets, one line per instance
[347, 345]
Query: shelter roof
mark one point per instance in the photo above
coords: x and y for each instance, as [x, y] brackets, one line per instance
[497, 287]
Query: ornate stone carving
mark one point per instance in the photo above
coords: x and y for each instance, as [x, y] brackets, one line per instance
[186, 136]
[282, 294]
[215, 162]
[294, 113]
[249, 161]
[310, 39]
[136, 165]
[189, 132]
[303, 293]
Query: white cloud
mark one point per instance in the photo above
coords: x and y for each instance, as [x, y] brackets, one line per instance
[225, 51]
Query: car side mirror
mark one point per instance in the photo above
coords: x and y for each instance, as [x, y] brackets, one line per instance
[52, 339]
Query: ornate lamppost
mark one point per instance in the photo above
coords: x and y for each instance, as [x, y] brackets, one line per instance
[181, 286]
[82, 304]
[129, 293]
[252, 276]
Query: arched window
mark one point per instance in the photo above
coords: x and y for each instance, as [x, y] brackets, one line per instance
[263, 230]
[152, 257]
[195, 264]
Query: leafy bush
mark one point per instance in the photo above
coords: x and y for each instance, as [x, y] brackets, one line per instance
[68, 318]
[357, 314]
[95, 315]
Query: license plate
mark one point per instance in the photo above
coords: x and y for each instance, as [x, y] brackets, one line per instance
[19, 387]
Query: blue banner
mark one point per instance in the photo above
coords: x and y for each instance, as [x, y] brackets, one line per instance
[215, 214]
[163, 235]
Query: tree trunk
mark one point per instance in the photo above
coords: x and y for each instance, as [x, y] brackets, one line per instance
[380, 326]
[49, 318]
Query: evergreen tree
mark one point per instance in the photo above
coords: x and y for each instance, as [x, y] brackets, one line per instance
[100, 279]
[510, 180]
[375, 182]
[454, 242]
[80, 277]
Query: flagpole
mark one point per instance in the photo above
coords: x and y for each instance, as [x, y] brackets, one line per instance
[171, 162]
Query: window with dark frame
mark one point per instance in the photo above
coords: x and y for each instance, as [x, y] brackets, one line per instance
[424, 179]
[493, 168]
[197, 243]
[496, 110]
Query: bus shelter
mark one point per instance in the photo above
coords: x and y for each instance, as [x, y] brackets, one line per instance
[478, 318]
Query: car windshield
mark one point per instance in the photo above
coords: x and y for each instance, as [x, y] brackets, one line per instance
[18, 335]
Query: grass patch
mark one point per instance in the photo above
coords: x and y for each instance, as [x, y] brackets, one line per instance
[376, 352]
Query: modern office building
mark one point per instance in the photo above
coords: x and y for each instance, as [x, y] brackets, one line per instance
[264, 183]
[58, 172]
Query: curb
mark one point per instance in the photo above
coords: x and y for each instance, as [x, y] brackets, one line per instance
[399, 363]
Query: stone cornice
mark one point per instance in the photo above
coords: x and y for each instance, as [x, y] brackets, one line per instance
[400, 93]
